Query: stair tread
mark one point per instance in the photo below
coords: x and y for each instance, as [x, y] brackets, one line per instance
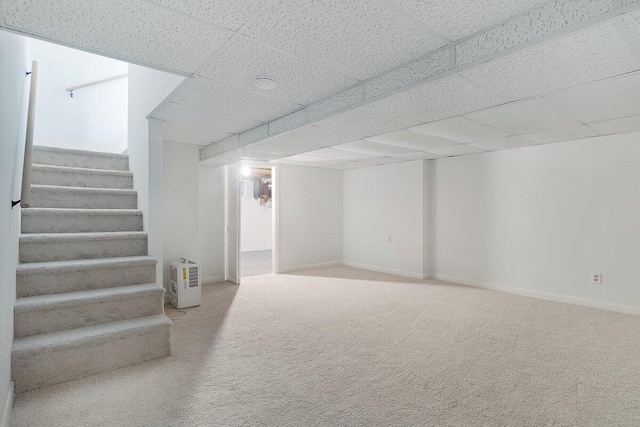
[103, 235]
[86, 334]
[84, 264]
[81, 211]
[84, 190]
[68, 299]
[75, 169]
[80, 152]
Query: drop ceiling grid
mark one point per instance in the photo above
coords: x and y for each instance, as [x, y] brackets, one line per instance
[183, 133]
[182, 114]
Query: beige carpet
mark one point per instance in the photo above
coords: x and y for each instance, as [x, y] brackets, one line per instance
[347, 347]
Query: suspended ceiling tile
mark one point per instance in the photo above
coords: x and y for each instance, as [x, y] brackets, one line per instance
[417, 156]
[186, 141]
[456, 19]
[240, 61]
[632, 21]
[367, 121]
[180, 132]
[446, 97]
[216, 96]
[625, 124]
[609, 99]
[231, 14]
[383, 160]
[529, 116]
[332, 153]
[131, 30]
[457, 150]
[358, 38]
[223, 159]
[302, 140]
[578, 58]
[505, 143]
[561, 134]
[352, 165]
[372, 148]
[459, 130]
[178, 113]
[248, 154]
[305, 158]
[411, 140]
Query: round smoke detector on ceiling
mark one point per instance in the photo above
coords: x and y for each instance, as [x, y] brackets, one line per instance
[265, 83]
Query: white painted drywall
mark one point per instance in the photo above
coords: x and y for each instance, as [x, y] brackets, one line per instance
[13, 66]
[309, 216]
[539, 220]
[385, 202]
[255, 223]
[96, 117]
[211, 223]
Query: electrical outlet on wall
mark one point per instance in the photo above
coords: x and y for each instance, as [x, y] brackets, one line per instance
[596, 278]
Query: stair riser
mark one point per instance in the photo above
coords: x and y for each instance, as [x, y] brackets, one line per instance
[47, 199]
[28, 285]
[37, 369]
[43, 157]
[56, 223]
[65, 318]
[92, 180]
[38, 251]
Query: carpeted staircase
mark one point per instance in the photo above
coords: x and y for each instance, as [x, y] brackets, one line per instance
[87, 301]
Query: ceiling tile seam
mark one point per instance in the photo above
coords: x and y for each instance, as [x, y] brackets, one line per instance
[185, 15]
[408, 15]
[628, 38]
[2, 23]
[560, 108]
[182, 142]
[256, 92]
[262, 122]
[482, 88]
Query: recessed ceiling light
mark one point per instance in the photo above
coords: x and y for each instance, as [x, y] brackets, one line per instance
[265, 83]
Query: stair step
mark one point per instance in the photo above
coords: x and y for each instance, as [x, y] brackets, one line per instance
[68, 246]
[47, 359]
[59, 312]
[51, 196]
[57, 220]
[80, 177]
[46, 278]
[79, 158]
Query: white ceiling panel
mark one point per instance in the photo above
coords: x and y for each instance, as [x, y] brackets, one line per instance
[373, 148]
[367, 121]
[332, 153]
[180, 132]
[216, 96]
[578, 58]
[307, 159]
[358, 38]
[248, 154]
[561, 134]
[417, 156]
[240, 61]
[446, 97]
[609, 99]
[457, 150]
[302, 140]
[411, 140]
[625, 124]
[503, 143]
[456, 19]
[231, 14]
[632, 22]
[133, 30]
[459, 130]
[178, 113]
[383, 160]
[352, 165]
[529, 116]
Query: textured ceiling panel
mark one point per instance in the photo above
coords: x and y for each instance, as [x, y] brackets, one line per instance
[215, 96]
[230, 14]
[317, 161]
[632, 21]
[561, 134]
[417, 156]
[529, 116]
[178, 113]
[248, 154]
[358, 38]
[447, 97]
[180, 132]
[626, 124]
[383, 160]
[133, 30]
[411, 140]
[373, 148]
[456, 19]
[459, 130]
[352, 165]
[332, 153]
[239, 62]
[606, 100]
[503, 143]
[457, 150]
[367, 121]
[302, 140]
[572, 60]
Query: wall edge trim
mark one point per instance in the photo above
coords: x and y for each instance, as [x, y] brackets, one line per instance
[6, 416]
[310, 266]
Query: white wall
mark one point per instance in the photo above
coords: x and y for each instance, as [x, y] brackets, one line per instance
[385, 202]
[14, 62]
[539, 220]
[96, 117]
[309, 211]
[211, 223]
[256, 222]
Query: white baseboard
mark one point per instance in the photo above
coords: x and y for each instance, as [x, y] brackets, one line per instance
[212, 279]
[6, 414]
[310, 266]
[542, 295]
[385, 270]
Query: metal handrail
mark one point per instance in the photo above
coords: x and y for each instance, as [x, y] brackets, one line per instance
[97, 82]
[28, 145]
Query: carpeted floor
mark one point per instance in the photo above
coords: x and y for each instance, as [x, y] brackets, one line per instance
[348, 347]
[254, 263]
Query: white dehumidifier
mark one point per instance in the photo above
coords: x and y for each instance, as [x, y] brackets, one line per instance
[184, 278]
